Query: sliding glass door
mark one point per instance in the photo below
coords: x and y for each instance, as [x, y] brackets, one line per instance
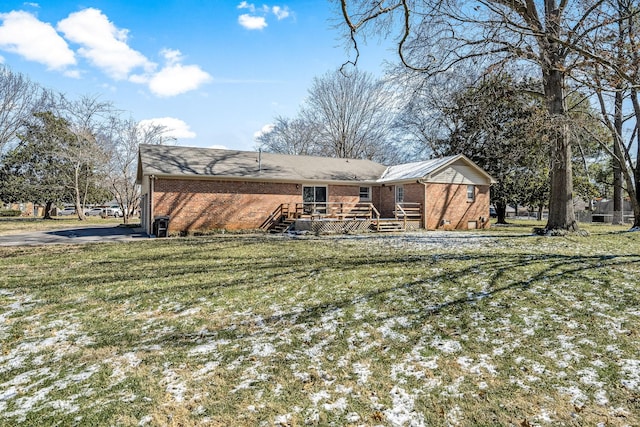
[315, 200]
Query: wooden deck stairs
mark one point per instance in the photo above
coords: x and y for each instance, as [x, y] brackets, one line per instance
[388, 226]
[283, 226]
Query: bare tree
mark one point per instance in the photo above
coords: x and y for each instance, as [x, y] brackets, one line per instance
[349, 115]
[353, 114]
[121, 140]
[290, 136]
[19, 98]
[616, 89]
[435, 36]
[86, 118]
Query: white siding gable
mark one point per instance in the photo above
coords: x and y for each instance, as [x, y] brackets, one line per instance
[459, 173]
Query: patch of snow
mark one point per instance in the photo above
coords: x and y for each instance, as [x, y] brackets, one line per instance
[601, 397]
[174, 386]
[467, 364]
[403, 413]
[446, 346]
[207, 348]
[362, 371]
[321, 395]
[352, 417]
[544, 416]
[189, 312]
[263, 349]
[454, 417]
[339, 405]
[387, 331]
[631, 368]
[145, 420]
[283, 420]
[578, 397]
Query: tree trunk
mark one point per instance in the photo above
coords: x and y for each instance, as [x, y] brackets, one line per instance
[618, 161]
[561, 212]
[501, 212]
[78, 200]
[633, 182]
[47, 209]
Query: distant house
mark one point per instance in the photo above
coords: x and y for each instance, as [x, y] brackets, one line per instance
[202, 189]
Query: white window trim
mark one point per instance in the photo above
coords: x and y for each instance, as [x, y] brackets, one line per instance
[473, 195]
[399, 189]
[365, 199]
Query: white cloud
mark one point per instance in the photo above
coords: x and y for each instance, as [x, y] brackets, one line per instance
[104, 45]
[176, 128]
[247, 5]
[174, 78]
[177, 79]
[252, 22]
[172, 56]
[281, 12]
[257, 18]
[264, 130]
[23, 34]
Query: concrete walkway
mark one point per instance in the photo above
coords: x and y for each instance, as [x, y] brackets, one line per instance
[89, 234]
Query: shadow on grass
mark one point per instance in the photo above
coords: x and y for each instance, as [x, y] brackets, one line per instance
[216, 268]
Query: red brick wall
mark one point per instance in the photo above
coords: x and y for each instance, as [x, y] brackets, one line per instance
[344, 193]
[199, 205]
[448, 203]
[413, 193]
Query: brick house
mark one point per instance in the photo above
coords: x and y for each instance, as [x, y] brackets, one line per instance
[203, 189]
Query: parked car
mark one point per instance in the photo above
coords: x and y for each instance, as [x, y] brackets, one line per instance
[492, 212]
[67, 211]
[112, 211]
[94, 212]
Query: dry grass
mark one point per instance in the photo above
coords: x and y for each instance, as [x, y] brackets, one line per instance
[26, 225]
[478, 328]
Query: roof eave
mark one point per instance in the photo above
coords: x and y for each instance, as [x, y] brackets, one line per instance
[260, 179]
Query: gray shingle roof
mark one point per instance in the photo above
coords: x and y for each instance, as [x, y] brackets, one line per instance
[171, 160]
[177, 161]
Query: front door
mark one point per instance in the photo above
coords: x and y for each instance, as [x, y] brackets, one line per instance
[315, 200]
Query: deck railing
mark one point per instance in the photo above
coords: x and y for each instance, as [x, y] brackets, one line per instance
[342, 211]
[282, 211]
[408, 212]
[336, 210]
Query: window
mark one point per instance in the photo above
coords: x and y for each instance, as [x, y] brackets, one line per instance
[365, 194]
[315, 200]
[471, 193]
[399, 194]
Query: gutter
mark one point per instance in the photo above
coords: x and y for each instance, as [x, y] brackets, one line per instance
[152, 179]
[424, 213]
[302, 181]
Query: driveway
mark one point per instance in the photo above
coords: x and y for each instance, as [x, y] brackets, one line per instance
[89, 234]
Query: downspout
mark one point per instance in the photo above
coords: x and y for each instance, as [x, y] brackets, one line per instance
[424, 207]
[152, 179]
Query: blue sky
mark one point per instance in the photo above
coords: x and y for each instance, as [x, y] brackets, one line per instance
[215, 71]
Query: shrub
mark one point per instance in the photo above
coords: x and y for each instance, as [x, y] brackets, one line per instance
[9, 212]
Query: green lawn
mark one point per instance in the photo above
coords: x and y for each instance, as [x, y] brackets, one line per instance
[466, 328]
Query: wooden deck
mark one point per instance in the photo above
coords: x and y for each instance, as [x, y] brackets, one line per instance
[341, 218]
